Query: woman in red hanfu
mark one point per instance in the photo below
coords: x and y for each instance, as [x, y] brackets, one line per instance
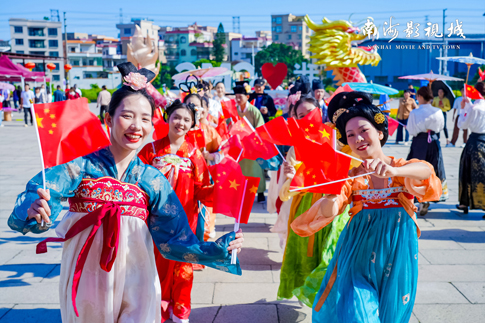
[185, 168]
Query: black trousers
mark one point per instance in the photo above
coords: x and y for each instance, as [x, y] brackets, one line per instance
[27, 113]
[102, 110]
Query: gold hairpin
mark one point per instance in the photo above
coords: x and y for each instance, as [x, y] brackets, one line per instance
[379, 118]
[337, 114]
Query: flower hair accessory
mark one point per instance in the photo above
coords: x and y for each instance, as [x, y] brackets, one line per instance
[379, 118]
[294, 97]
[136, 81]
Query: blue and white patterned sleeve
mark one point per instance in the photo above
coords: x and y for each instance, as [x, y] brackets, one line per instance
[61, 181]
[171, 232]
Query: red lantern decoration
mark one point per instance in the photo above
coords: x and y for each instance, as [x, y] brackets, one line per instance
[67, 67]
[51, 66]
[29, 65]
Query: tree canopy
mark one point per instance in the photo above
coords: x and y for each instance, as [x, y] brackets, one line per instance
[279, 53]
[220, 38]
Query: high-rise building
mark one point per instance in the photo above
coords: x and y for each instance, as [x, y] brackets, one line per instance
[292, 31]
[40, 38]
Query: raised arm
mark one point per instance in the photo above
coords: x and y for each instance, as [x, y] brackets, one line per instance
[61, 181]
[171, 232]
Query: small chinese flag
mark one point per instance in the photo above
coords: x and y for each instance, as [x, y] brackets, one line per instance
[392, 125]
[196, 138]
[230, 110]
[222, 130]
[160, 127]
[276, 131]
[241, 128]
[230, 197]
[68, 130]
[255, 147]
[233, 147]
[315, 129]
[472, 93]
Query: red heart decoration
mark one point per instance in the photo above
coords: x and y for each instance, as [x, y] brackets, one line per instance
[274, 74]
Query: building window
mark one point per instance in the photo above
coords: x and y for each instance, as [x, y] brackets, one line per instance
[127, 31]
[57, 66]
[300, 28]
[18, 30]
[20, 52]
[299, 36]
[170, 39]
[34, 43]
[52, 31]
[289, 36]
[278, 29]
[307, 29]
[53, 43]
[278, 20]
[183, 40]
[72, 49]
[381, 79]
[19, 41]
[56, 77]
[293, 29]
[37, 53]
[273, 29]
[236, 53]
[183, 52]
[193, 52]
[75, 63]
[276, 37]
[36, 32]
[54, 54]
[273, 19]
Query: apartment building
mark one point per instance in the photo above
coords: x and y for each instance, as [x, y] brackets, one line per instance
[245, 48]
[291, 30]
[40, 38]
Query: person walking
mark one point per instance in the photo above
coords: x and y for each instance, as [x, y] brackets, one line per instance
[16, 96]
[39, 96]
[59, 94]
[412, 90]
[73, 94]
[263, 101]
[26, 100]
[443, 104]
[104, 97]
[406, 105]
[78, 91]
[457, 112]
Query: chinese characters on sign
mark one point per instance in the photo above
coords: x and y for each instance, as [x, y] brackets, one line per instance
[412, 29]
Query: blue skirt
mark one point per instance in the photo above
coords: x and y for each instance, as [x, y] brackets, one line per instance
[377, 271]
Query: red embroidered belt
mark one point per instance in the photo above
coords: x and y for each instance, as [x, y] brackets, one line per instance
[108, 214]
[381, 202]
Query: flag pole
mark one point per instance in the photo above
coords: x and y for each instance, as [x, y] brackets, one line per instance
[252, 128]
[34, 116]
[236, 224]
[342, 153]
[340, 180]
[237, 161]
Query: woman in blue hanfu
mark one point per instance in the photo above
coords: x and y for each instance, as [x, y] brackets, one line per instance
[373, 274]
[118, 209]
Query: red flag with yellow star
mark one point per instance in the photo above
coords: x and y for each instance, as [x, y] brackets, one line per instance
[232, 147]
[255, 147]
[472, 93]
[249, 195]
[276, 131]
[68, 130]
[196, 138]
[315, 129]
[230, 110]
[241, 128]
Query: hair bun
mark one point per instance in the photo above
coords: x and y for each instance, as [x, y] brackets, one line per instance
[128, 67]
[355, 98]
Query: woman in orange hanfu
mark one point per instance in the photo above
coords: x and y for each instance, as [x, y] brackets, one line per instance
[373, 274]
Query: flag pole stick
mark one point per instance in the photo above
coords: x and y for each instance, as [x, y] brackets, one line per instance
[252, 128]
[237, 161]
[34, 117]
[342, 153]
[236, 224]
[340, 180]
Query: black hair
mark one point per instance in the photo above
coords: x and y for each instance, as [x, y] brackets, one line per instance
[358, 105]
[193, 95]
[407, 91]
[302, 84]
[104, 87]
[425, 93]
[126, 91]
[58, 87]
[205, 102]
[177, 104]
[480, 87]
[308, 99]
[339, 101]
[220, 82]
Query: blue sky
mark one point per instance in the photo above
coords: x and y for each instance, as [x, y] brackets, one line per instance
[101, 16]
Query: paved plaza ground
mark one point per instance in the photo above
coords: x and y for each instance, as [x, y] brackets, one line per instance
[451, 285]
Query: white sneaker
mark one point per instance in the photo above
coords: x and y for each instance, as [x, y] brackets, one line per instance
[450, 145]
[407, 143]
[175, 319]
[462, 145]
[25, 125]
[1, 125]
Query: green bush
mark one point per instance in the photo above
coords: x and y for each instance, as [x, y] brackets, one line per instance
[92, 93]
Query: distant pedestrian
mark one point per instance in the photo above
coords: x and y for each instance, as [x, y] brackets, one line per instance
[73, 94]
[26, 100]
[261, 100]
[43, 93]
[78, 91]
[39, 96]
[59, 94]
[16, 97]
[319, 94]
[6, 98]
[443, 104]
[406, 105]
[457, 112]
[104, 97]
[413, 91]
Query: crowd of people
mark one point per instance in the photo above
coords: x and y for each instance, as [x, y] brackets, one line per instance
[352, 256]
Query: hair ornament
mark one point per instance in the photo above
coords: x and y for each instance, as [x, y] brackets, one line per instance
[379, 118]
[135, 80]
[196, 110]
[294, 97]
[338, 134]
[190, 86]
[337, 114]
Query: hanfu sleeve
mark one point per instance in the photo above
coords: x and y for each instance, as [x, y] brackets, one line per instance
[426, 190]
[171, 232]
[315, 219]
[61, 181]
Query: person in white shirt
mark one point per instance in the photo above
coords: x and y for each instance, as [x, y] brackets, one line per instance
[26, 100]
[456, 113]
[78, 91]
[424, 124]
[220, 92]
[471, 193]
[215, 108]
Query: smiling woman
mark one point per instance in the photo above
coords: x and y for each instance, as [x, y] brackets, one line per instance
[133, 205]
